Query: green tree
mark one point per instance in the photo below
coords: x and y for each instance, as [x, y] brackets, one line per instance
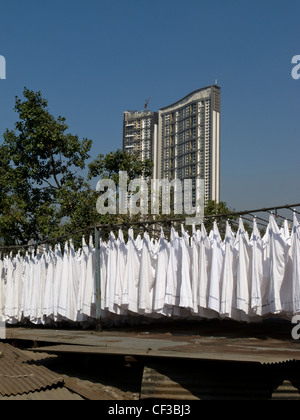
[211, 209]
[109, 166]
[41, 191]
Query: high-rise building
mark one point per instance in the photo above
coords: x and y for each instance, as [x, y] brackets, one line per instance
[140, 133]
[188, 144]
[182, 139]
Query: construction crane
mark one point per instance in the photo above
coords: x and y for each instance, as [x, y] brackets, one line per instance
[146, 104]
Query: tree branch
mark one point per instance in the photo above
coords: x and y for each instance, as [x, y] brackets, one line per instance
[50, 185]
[54, 171]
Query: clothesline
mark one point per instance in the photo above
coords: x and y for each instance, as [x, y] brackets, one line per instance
[167, 221]
[243, 277]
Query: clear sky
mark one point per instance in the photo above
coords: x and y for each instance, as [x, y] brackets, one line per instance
[94, 59]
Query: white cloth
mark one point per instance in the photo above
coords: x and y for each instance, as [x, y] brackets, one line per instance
[216, 270]
[243, 281]
[111, 273]
[173, 283]
[57, 279]
[295, 243]
[276, 250]
[186, 294]
[132, 275]
[63, 290]
[88, 280]
[257, 286]
[146, 277]
[159, 292]
[198, 276]
[120, 270]
[73, 285]
[48, 297]
[205, 261]
[195, 240]
[229, 277]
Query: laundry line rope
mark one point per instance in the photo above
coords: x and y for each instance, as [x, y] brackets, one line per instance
[145, 223]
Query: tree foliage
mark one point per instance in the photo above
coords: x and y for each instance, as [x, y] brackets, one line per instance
[110, 165]
[41, 191]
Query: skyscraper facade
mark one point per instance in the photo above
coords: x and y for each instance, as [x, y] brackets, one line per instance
[140, 133]
[182, 139]
[188, 144]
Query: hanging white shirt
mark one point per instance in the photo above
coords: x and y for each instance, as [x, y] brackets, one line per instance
[82, 279]
[205, 261]
[243, 291]
[186, 295]
[48, 298]
[229, 276]
[216, 271]
[159, 291]
[195, 240]
[276, 252]
[89, 291]
[73, 284]
[120, 273]
[132, 275]
[257, 286]
[111, 272]
[295, 245]
[174, 272]
[146, 277]
[2, 288]
[63, 291]
[57, 279]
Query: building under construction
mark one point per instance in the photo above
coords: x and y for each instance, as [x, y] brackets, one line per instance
[140, 133]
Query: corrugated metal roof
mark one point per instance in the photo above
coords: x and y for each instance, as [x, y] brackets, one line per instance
[94, 391]
[19, 377]
[205, 361]
[206, 381]
[209, 380]
[73, 387]
[53, 394]
[263, 343]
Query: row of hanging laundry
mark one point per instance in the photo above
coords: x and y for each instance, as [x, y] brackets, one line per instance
[241, 277]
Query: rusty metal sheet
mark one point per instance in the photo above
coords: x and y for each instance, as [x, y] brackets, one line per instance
[246, 350]
[206, 381]
[264, 343]
[53, 394]
[19, 377]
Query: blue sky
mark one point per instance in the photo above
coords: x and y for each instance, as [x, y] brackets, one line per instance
[93, 59]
